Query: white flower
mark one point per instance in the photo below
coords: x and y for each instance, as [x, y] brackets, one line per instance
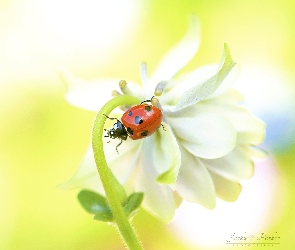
[205, 148]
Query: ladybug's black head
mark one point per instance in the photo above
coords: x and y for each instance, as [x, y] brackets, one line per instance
[117, 131]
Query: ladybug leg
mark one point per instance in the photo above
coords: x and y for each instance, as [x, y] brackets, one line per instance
[118, 146]
[107, 135]
[162, 127]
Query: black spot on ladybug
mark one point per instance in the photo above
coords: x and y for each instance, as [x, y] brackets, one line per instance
[130, 113]
[148, 108]
[138, 120]
[144, 133]
[129, 131]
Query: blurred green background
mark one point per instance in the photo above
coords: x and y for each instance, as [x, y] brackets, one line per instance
[43, 138]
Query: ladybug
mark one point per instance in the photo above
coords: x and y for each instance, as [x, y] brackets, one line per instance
[138, 122]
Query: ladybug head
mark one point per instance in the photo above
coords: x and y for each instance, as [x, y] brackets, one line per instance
[117, 131]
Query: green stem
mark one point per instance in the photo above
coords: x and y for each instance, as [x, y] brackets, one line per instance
[124, 226]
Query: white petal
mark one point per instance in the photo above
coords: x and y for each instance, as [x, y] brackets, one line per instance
[180, 55]
[92, 95]
[250, 129]
[236, 165]
[120, 164]
[232, 96]
[167, 159]
[226, 190]
[194, 183]
[253, 133]
[86, 176]
[175, 88]
[228, 82]
[158, 199]
[256, 152]
[203, 73]
[205, 89]
[206, 135]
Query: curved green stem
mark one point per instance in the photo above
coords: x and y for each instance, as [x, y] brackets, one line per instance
[124, 226]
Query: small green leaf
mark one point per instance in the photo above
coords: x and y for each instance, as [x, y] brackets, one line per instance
[93, 202]
[132, 203]
[105, 216]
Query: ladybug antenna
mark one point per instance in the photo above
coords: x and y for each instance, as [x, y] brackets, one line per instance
[112, 118]
[150, 100]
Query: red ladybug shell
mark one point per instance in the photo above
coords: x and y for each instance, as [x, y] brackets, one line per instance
[142, 120]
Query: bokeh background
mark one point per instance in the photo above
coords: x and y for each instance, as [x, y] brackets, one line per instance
[43, 138]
